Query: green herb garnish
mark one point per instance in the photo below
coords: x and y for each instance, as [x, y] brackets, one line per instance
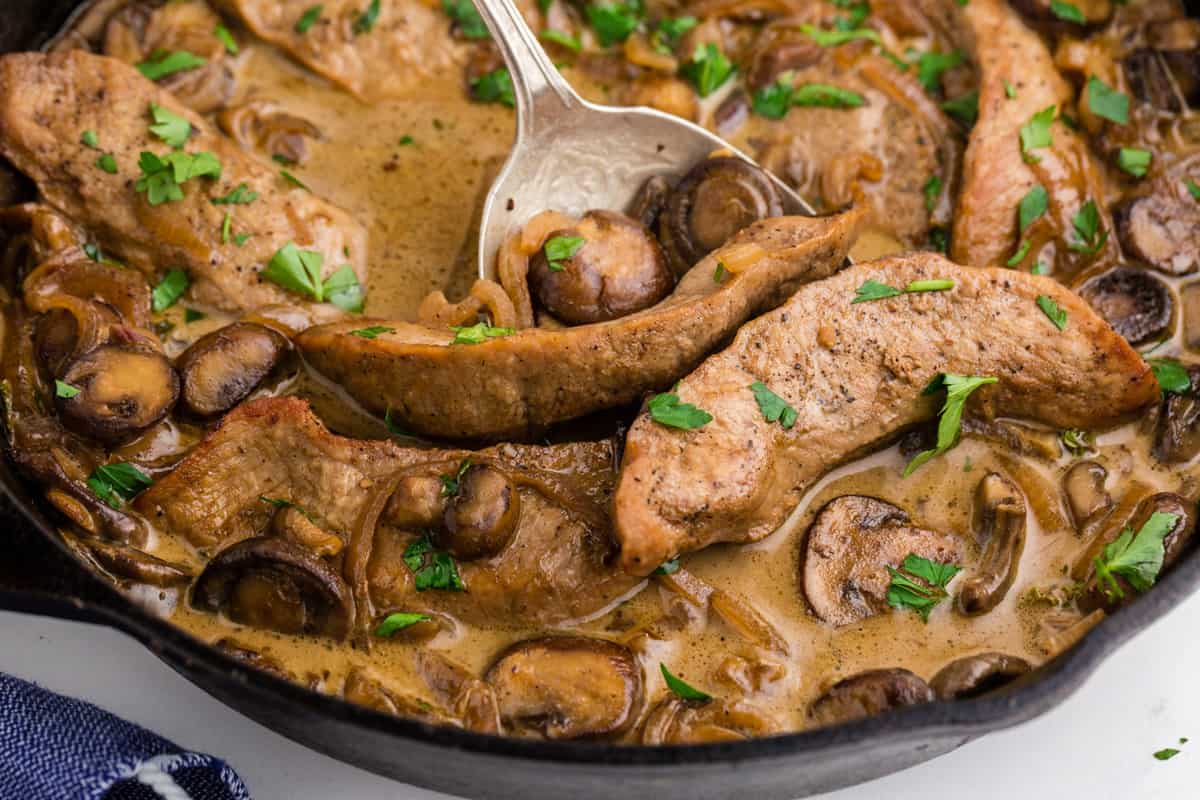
[613, 22]
[559, 248]
[773, 407]
[1077, 442]
[669, 31]
[1173, 377]
[300, 271]
[821, 94]
[309, 18]
[191, 315]
[117, 483]
[89, 139]
[451, 484]
[1193, 189]
[365, 22]
[958, 389]
[64, 390]
[920, 584]
[478, 333]
[169, 290]
[226, 38]
[930, 67]
[1068, 12]
[1166, 754]
[566, 40]
[666, 409]
[1018, 256]
[464, 14]
[107, 163]
[1010, 91]
[432, 569]
[682, 689]
[932, 189]
[160, 64]
[168, 126]
[494, 87]
[1052, 310]
[1107, 102]
[394, 623]
[163, 176]
[372, 331]
[1134, 160]
[1087, 228]
[874, 290]
[964, 108]
[1032, 206]
[238, 196]
[1138, 558]
[667, 567]
[1036, 134]
[708, 69]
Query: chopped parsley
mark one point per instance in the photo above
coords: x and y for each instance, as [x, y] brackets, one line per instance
[226, 38]
[432, 569]
[840, 36]
[394, 623]
[1193, 189]
[169, 290]
[1052, 310]
[666, 409]
[1087, 228]
[680, 688]
[1166, 754]
[293, 180]
[226, 227]
[958, 389]
[108, 163]
[163, 176]
[1036, 134]
[964, 108]
[1138, 558]
[773, 407]
[719, 273]
[564, 39]
[821, 94]
[773, 100]
[191, 315]
[932, 189]
[559, 248]
[1068, 12]
[300, 271]
[1173, 377]
[1134, 160]
[1107, 102]
[464, 14]
[394, 428]
[238, 196]
[372, 332]
[478, 333]
[708, 69]
[365, 22]
[920, 584]
[451, 484]
[1032, 206]
[667, 567]
[1018, 256]
[1076, 441]
[874, 290]
[669, 31]
[170, 127]
[1010, 91]
[162, 64]
[613, 22]
[309, 18]
[117, 483]
[89, 139]
[930, 67]
[494, 87]
[64, 390]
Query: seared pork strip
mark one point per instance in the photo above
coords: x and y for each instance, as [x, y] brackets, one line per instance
[557, 565]
[375, 58]
[997, 174]
[513, 386]
[854, 373]
[47, 102]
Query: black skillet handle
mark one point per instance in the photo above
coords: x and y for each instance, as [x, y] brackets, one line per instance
[37, 577]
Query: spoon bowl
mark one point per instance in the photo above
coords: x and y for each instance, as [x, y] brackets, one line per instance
[571, 155]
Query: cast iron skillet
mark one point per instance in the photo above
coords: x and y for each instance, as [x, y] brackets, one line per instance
[40, 575]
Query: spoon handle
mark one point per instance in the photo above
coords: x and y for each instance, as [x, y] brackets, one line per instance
[541, 92]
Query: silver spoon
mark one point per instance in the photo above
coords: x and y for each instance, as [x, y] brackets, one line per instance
[571, 155]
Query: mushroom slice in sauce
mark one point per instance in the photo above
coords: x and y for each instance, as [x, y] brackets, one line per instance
[676, 721]
[567, 687]
[275, 584]
[1160, 229]
[851, 543]
[869, 693]
[975, 675]
[1000, 531]
[716, 199]
[122, 391]
[129, 563]
[1135, 302]
[1178, 437]
[223, 367]
[364, 689]
[1086, 496]
[618, 268]
[482, 514]
[253, 658]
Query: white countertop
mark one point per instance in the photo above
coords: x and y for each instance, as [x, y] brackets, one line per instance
[1099, 744]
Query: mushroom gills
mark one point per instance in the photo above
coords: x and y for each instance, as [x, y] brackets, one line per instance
[1136, 303]
[1000, 530]
[567, 687]
[122, 391]
[222, 368]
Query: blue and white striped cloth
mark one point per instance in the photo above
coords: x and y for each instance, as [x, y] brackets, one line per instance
[56, 748]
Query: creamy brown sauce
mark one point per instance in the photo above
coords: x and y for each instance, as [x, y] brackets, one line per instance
[420, 202]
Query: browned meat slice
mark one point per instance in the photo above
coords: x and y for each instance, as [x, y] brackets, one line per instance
[997, 175]
[47, 102]
[854, 374]
[406, 43]
[509, 387]
[554, 565]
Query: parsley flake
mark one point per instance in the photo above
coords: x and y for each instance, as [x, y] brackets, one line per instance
[89, 139]
[1134, 160]
[1010, 91]
[669, 31]
[1173, 377]
[1087, 228]
[1138, 558]
[667, 567]
[930, 67]
[238, 196]
[108, 163]
[170, 127]
[372, 332]
[613, 22]
[1052, 310]
[559, 248]
[932, 189]
[958, 389]
[1077, 442]
[666, 409]
[920, 584]
[1167, 753]
[169, 290]
[451, 484]
[300, 271]
[1032, 206]
[964, 108]
[1036, 134]
[432, 569]
[773, 407]
[1193, 189]
[561, 38]
[874, 290]
[1068, 12]
[309, 18]
[1018, 256]
[494, 87]
[1107, 102]
[160, 65]
[708, 69]
[821, 94]
[293, 180]
[64, 390]
[394, 623]
[117, 483]
[478, 333]
[365, 22]
[466, 17]
[162, 176]
[226, 38]
[840, 37]
[680, 688]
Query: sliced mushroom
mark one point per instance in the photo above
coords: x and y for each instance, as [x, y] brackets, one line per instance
[715, 200]
[122, 392]
[975, 675]
[296, 526]
[869, 693]
[275, 584]
[1000, 531]
[675, 721]
[472, 700]
[1136, 303]
[618, 269]
[482, 515]
[222, 368]
[1160, 229]
[650, 200]
[129, 563]
[418, 502]
[253, 658]
[851, 543]
[1087, 498]
[262, 125]
[567, 687]
[1178, 437]
[364, 689]
[123, 290]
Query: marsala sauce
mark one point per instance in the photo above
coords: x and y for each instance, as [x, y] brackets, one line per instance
[420, 202]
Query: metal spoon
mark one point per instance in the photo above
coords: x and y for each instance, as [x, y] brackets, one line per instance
[571, 155]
